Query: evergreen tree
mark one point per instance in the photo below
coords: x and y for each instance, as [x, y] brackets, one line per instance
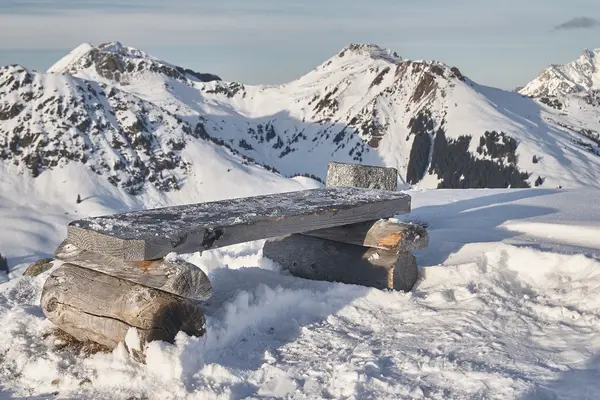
[3, 263]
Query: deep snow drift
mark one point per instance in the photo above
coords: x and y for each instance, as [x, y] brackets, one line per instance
[507, 306]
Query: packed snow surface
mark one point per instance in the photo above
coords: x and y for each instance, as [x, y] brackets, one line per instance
[507, 306]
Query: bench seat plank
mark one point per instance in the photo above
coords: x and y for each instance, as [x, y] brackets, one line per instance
[152, 234]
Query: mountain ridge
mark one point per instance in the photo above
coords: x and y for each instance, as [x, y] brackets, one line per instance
[365, 104]
[112, 61]
[578, 76]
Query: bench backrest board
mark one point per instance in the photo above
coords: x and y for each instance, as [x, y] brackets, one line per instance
[152, 234]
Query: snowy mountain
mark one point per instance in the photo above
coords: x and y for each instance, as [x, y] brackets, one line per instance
[572, 89]
[128, 116]
[114, 62]
[579, 76]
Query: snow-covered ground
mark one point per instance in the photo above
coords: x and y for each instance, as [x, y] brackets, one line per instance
[507, 306]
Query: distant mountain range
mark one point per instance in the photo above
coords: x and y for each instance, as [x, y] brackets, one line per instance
[140, 121]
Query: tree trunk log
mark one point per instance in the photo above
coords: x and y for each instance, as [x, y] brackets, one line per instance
[380, 234]
[94, 306]
[320, 259]
[178, 277]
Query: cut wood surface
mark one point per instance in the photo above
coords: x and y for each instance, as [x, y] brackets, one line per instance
[320, 259]
[174, 276]
[152, 234]
[381, 234]
[94, 306]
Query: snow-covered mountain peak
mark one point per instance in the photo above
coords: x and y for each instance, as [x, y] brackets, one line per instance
[86, 53]
[354, 59]
[378, 67]
[370, 50]
[589, 53]
[70, 59]
[113, 62]
[579, 76]
[118, 48]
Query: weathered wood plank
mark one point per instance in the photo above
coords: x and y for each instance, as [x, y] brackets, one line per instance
[360, 175]
[320, 259]
[152, 234]
[94, 306]
[381, 234]
[174, 276]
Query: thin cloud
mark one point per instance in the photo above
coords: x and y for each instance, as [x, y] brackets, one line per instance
[579, 23]
[148, 28]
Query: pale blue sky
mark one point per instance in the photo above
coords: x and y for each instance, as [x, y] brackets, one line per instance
[499, 43]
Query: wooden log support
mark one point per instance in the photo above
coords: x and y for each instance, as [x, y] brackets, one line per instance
[360, 175]
[152, 234]
[177, 276]
[91, 305]
[115, 275]
[381, 234]
[320, 259]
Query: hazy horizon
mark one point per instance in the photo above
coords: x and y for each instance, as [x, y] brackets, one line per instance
[503, 45]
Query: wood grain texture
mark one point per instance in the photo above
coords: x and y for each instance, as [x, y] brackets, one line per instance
[177, 277]
[93, 306]
[152, 234]
[380, 234]
[320, 259]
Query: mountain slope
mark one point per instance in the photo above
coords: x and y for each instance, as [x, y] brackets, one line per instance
[365, 105]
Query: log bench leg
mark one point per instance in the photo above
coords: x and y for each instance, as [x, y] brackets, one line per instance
[90, 305]
[320, 259]
[173, 276]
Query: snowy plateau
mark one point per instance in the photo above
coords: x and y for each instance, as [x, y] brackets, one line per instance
[507, 305]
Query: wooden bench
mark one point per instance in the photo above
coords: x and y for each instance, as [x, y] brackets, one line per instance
[120, 272]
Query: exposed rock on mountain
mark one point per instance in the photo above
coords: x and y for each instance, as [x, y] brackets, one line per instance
[117, 63]
[130, 116]
[53, 120]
